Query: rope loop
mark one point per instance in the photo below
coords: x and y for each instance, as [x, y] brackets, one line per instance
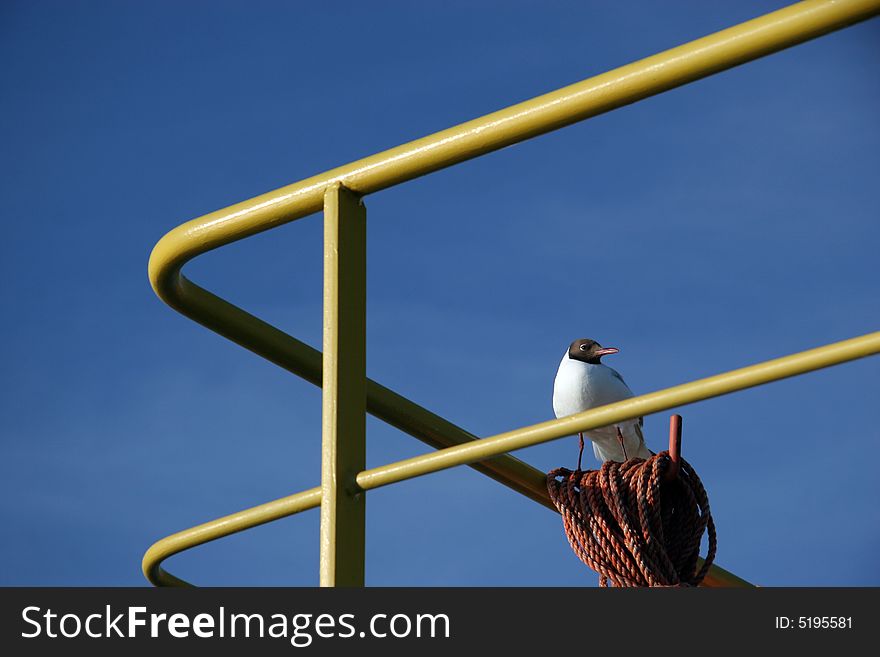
[631, 525]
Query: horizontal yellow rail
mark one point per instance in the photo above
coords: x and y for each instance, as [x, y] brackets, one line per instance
[276, 510]
[225, 526]
[687, 393]
[616, 88]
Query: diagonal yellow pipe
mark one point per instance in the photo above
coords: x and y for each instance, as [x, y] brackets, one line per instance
[225, 526]
[652, 75]
[621, 86]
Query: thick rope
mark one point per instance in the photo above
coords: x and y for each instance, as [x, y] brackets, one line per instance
[631, 526]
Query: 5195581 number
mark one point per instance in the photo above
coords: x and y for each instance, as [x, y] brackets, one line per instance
[814, 622]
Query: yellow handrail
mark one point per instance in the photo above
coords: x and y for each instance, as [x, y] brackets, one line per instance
[225, 526]
[669, 69]
[611, 414]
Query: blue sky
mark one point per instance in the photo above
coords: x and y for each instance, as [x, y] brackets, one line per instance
[715, 226]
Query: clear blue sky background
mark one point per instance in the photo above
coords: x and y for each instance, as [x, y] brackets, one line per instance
[715, 226]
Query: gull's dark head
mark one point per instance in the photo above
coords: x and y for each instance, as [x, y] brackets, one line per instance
[589, 351]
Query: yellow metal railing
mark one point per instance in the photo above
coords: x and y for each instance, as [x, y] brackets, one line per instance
[348, 394]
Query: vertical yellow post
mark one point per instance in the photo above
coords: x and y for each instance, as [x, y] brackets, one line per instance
[343, 453]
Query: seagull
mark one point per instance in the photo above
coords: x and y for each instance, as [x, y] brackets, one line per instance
[584, 382]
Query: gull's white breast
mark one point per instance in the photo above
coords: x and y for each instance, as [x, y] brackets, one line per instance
[582, 386]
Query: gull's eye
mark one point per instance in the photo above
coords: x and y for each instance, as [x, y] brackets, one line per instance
[583, 347]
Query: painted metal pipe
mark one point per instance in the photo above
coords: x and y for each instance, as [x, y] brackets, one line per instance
[225, 526]
[619, 87]
[674, 448]
[686, 393]
[344, 413]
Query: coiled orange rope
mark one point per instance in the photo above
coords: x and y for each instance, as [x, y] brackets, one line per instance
[634, 525]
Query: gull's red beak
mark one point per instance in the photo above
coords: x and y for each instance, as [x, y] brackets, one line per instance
[606, 351]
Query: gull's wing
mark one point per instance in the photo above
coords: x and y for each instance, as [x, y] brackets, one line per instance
[617, 375]
[638, 429]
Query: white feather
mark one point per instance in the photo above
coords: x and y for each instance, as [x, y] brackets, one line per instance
[582, 386]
